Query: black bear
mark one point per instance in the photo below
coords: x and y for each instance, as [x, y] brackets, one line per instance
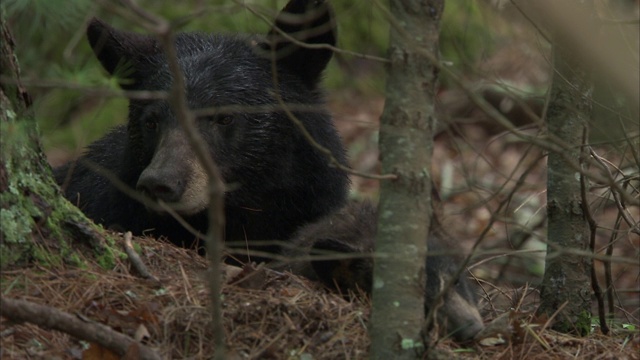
[276, 180]
[352, 230]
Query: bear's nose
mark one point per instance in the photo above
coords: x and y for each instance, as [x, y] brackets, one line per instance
[159, 187]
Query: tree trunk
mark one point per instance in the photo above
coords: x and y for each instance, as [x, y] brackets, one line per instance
[566, 282]
[35, 220]
[406, 143]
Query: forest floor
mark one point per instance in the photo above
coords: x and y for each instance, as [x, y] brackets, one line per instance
[266, 314]
[273, 315]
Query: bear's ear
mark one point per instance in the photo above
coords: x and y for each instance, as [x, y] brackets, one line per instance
[121, 53]
[310, 22]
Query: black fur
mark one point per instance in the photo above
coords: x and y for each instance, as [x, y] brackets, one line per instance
[277, 181]
[352, 230]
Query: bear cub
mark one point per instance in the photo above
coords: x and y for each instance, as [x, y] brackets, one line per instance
[352, 230]
[276, 180]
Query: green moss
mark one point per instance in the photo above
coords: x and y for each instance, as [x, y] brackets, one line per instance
[106, 258]
[24, 189]
[68, 253]
[76, 260]
[15, 226]
[583, 325]
[8, 256]
[32, 201]
[111, 251]
[110, 240]
[53, 223]
[46, 257]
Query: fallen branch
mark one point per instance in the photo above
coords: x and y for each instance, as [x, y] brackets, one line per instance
[136, 262]
[50, 318]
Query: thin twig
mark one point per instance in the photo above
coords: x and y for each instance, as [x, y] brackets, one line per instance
[309, 46]
[135, 259]
[332, 159]
[553, 316]
[531, 21]
[607, 268]
[301, 127]
[593, 227]
[553, 144]
[463, 266]
[216, 188]
[159, 205]
[88, 89]
[634, 226]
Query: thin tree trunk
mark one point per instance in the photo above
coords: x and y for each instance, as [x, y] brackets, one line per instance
[35, 220]
[406, 143]
[566, 285]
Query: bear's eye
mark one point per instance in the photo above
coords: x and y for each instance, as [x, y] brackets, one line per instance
[224, 119]
[151, 124]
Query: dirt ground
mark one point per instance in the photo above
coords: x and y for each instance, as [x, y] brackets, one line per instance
[267, 315]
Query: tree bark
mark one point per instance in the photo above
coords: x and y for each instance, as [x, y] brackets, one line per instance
[566, 286]
[35, 220]
[406, 141]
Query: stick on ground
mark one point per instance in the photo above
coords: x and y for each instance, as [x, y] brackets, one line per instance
[51, 318]
[136, 262]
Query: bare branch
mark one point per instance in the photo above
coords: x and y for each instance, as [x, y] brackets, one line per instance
[593, 227]
[634, 226]
[50, 318]
[552, 142]
[310, 46]
[216, 188]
